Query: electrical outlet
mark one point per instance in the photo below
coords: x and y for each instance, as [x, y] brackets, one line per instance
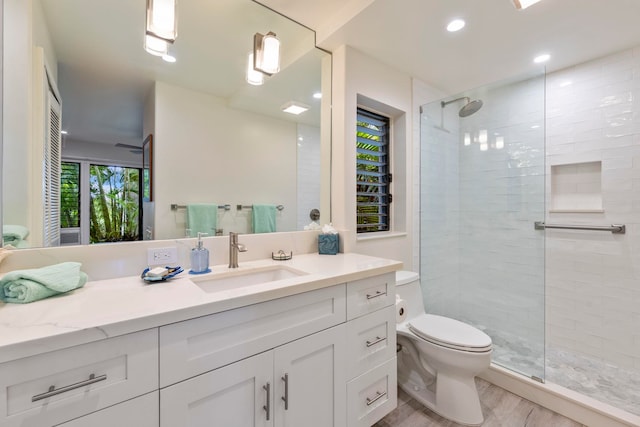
[162, 256]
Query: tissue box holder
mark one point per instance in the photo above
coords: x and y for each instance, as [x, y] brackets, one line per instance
[328, 244]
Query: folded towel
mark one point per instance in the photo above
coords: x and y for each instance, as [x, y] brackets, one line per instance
[14, 233]
[203, 218]
[264, 218]
[23, 286]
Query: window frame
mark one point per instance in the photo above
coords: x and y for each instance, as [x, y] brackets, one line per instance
[373, 194]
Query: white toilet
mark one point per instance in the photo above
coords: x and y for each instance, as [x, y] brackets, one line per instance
[439, 357]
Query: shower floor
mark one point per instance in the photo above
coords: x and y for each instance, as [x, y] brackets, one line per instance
[602, 381]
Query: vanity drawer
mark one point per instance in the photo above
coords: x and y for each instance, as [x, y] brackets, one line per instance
[143, 411]
[371, 340]
[199, 345]
[54, 387]
[372, 395]
[370, 294]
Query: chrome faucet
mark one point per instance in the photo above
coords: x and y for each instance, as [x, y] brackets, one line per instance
[234, 248]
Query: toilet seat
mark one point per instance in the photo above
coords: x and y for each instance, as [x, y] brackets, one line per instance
[450, 333]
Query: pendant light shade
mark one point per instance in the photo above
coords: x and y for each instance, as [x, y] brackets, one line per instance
[266, 53]
[254, 77]
[155, 46]
[161, 19]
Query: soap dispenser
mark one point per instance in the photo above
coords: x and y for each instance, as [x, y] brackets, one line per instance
[200, 257]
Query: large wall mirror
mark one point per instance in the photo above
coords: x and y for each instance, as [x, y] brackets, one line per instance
[79, 86]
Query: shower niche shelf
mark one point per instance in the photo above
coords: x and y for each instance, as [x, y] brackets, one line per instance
[576, 188]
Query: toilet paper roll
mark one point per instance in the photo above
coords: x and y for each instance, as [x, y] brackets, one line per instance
[401, 310]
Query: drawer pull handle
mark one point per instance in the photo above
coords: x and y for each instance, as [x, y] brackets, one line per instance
[286, 391]
[267, 407]
[376, 295]
[378, 397]
[376, 341]
[53, 391]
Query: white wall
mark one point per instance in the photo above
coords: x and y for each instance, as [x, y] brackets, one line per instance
[17, 103]
[308, 171]
[593, 299]
[23, 123]
[108, 154]
[195, 135]
[357, 75]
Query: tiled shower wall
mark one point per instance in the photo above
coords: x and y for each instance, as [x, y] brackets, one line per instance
[592, 277]
[501, 196]
[481, 259]
[308, 186]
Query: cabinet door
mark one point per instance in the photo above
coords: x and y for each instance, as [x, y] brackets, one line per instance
[310, 380]
[139, 412]
[238, 395]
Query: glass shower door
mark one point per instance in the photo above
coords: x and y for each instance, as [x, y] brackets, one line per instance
[482, 189]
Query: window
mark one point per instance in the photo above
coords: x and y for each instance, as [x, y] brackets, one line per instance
[114, 208]
[372, 172]
[70, 195]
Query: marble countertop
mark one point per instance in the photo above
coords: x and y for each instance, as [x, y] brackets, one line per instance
[108, 308]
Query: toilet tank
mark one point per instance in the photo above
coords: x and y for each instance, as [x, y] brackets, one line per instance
[408, 289]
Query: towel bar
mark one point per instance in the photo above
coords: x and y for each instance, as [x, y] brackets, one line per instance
[175, 207]
[240, 207]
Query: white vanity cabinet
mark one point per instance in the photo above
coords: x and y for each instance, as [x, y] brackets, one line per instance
[51, 388]
[371, 334]
[268, 364]
[297, 384]
[323, 357]
[142, 411]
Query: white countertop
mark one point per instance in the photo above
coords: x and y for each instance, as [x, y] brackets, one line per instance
[108, 308]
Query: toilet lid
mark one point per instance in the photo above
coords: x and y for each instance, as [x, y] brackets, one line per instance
[450, 333]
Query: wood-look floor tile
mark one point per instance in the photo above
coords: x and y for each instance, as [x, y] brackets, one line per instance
[500, 407]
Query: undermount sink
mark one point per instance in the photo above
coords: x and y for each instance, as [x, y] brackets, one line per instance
[243, 278]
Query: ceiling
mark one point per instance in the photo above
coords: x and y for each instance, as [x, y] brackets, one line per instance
[498, 41]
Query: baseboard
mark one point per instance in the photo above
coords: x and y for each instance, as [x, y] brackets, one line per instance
[583, 409]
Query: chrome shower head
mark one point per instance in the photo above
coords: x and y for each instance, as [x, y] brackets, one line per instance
[468, 108]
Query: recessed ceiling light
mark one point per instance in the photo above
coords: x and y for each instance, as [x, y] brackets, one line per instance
[523, 4]
[317, 95]
[542, 58]
[64, 132]
[169, 58]
[456, 25]
[293, 107]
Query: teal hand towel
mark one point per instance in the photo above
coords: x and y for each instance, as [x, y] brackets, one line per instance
[14, 233]
[23, 286]
[264, 218]
[202, 218]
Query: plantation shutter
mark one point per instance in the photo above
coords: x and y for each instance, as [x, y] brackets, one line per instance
[51, 173]
[372, 172]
